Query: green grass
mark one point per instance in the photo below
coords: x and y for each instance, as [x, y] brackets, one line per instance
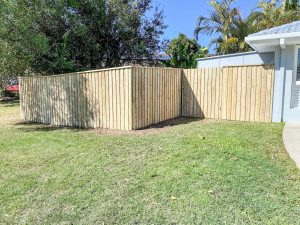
[202, 172]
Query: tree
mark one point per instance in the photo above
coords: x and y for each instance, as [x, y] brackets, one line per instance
[18, 41]
[269, 15]
[50, 37]
[221, 21]
[183, 52]
[292, 4]
[225, 22]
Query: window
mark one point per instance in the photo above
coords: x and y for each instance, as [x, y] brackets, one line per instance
[297, 67]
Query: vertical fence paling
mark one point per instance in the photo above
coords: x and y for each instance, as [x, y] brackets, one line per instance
[155, 95]
[121, 98]
[233, 93]
[79, 100]
[135, 97]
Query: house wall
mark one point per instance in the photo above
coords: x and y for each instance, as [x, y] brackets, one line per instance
[278, 98]
[291, 113]
[286, 93]
[240, 59]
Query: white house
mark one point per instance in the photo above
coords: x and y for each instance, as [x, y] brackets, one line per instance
[279, 46]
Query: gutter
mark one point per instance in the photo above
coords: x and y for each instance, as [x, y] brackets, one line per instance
[272, 36]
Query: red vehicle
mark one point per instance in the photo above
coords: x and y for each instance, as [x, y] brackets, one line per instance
[13, 87]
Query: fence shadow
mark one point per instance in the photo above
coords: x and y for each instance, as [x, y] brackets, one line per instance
[190, 102]
[12, 103]
[32, 127]
[60, 100]
[173, 122]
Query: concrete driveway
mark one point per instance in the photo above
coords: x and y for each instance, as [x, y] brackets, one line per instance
[291, 139]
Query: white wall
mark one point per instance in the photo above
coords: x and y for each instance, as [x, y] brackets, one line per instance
[278, 97]
[290, 112]
[239, 59]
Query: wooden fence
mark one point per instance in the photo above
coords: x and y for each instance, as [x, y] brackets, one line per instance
[156, 95]
[232, 93]
[135, 97]
[90, 99]
[121, 98]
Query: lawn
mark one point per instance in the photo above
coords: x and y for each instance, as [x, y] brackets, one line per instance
[198, 172]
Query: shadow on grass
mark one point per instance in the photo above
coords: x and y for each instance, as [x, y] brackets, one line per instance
[13, 103]
[33, 127]
[173, 122]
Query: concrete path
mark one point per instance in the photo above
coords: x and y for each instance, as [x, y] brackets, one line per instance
[291, 139]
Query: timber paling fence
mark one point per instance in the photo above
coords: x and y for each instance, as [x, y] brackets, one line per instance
[130, 98]
[243, 93]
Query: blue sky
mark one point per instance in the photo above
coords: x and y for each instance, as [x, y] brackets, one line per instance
[181, 15]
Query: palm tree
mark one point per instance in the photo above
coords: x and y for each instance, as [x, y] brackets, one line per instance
[291, 4]
[223, 21]
[231, 29]
[270, 15]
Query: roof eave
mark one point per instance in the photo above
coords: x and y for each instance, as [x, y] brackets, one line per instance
[272, 36]
[267, 43]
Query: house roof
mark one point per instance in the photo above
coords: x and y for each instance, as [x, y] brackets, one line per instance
[268, 40]
[286, 28]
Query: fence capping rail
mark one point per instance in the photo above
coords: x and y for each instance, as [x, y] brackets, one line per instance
[80, 72]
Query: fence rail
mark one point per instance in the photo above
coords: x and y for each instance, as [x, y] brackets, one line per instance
[135, 97]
